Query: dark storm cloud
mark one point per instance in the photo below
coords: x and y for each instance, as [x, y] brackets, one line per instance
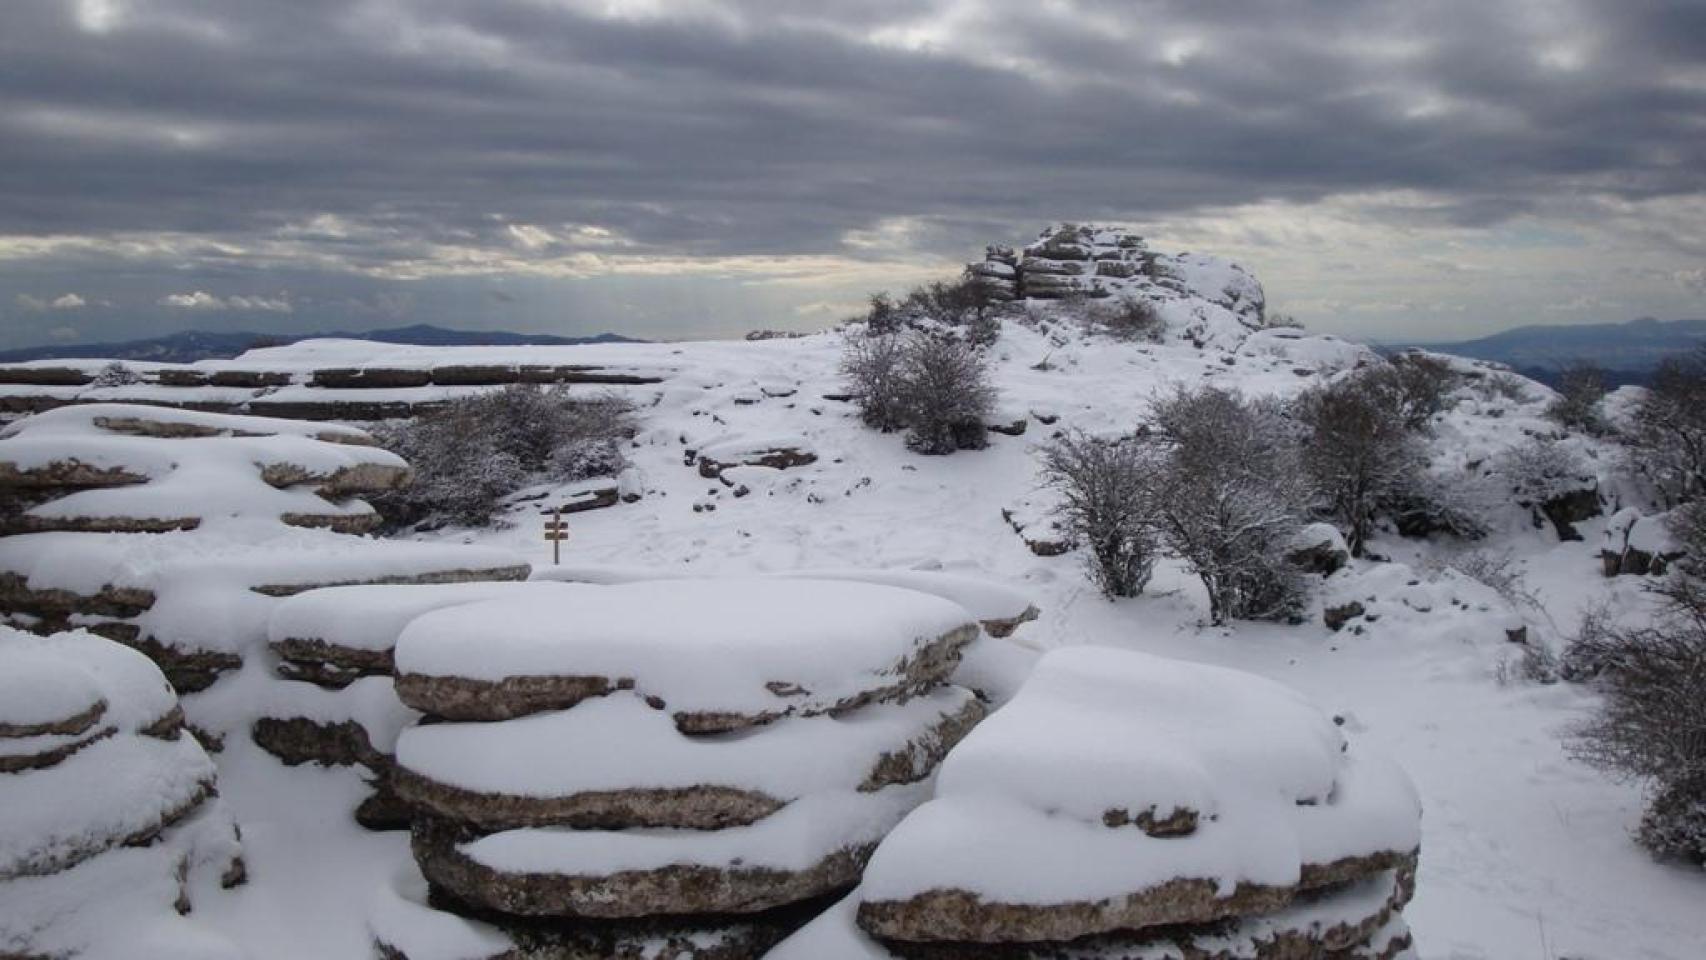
[764, 128]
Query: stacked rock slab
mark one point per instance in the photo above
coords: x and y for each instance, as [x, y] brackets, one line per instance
[1126, 806]
[336, 705]
[108, 812]
[674, 768]
[175, 532]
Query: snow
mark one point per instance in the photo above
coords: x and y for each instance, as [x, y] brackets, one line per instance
[1527, 853]
[620, 743]
[794, 838]
[368, 701]
[401, 918]
[68, 424]
[72, 670]
[710, 645]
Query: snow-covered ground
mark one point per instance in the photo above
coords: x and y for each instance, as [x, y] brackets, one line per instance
[1525, 853]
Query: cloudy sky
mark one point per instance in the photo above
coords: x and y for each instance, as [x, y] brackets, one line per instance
[668, 168]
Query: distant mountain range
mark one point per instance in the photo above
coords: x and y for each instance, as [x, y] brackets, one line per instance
[1626, 351]
[192, 345]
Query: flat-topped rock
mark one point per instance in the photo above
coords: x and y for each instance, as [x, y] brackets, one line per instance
[1119, 791]
[1000, 609]
[616, 763]
[717, 654]
[814, 846]
[333, 635]
[409, 923]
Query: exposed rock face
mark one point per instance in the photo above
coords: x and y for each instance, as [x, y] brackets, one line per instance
[1319, 548]
[1637, 545]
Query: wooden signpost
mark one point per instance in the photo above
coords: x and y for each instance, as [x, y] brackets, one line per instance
[556, 531]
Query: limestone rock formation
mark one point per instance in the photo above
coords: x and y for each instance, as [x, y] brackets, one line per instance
[690, 769]
[107, 810]
[1121, 804]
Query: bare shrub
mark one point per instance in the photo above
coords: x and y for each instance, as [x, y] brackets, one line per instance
[1229, 502]
[1500, 571]
[874, 368]
[946, 396]
[966, 304]
[1667, 442]
[1413, 386]
[116, 374]
[475, 451]
[1129, 318]
[1540, 469]
[1580, 389]
[1107, 501]
[1651, 725]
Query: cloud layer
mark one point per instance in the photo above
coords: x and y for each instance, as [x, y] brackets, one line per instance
[1382, 165]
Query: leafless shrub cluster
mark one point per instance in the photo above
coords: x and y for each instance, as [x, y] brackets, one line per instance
[475, 451]
[1666, 444]
[1129, 318]
[1211, 481]
[1651, 725]
[931, 383]
[965, 305]
[1580, 389]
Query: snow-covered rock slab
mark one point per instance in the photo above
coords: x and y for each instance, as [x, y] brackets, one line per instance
[999, 609]
[122, 468]
[1360, 920]
[62, 693]
[616, 763]
[1121, 791]
[717, 654]
[333, 635]
[811, 847]
[408, 924]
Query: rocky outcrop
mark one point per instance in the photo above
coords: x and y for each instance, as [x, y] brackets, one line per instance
[1639, 545]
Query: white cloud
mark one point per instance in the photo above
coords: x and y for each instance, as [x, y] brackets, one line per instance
[202, 300]
[65, 301]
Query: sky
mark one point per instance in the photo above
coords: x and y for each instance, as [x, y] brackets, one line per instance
[700, 168]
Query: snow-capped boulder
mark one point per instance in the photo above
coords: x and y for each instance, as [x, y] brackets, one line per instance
[717, 654]
[102, 832]
[1638, 544]
[999, 609]
[1119, 792]
[1319, 548]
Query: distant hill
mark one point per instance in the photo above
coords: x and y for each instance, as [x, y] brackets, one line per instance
[1628, 350]
[192, 345]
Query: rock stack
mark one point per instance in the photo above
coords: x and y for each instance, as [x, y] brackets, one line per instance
[176, 532]
[1126, 806]
[109, 815]
[336, 705]
[675, 768]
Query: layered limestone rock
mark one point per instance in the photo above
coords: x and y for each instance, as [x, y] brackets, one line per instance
[1123, 805]
[696, 767]
[1197, 299]
[112, 468]
[108, 812]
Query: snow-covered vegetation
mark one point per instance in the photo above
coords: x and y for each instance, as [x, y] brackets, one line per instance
[1254, 615]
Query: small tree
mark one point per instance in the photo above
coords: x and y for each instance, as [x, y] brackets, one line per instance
[1580, 389]
[1414, 387]
[945, 394]
[1130, 318]
[1358, 452]
[1652, 724]
[1667, 442]
[1107, 501]
[1229, 502]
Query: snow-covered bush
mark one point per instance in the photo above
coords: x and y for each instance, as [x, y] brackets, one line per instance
[475, 451]
[966, 305]
[1107, 501]
[1652, 723]
[1229, 502]
[1414, 387]
[116, 374]
[1541, 468]
[1666, 443]
[1501, 571]
[1358, 454]
[945, 393]
[932, 383]
[874, 367]
[1580, 389]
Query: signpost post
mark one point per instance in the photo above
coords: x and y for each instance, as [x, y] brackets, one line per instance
[556, 531]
